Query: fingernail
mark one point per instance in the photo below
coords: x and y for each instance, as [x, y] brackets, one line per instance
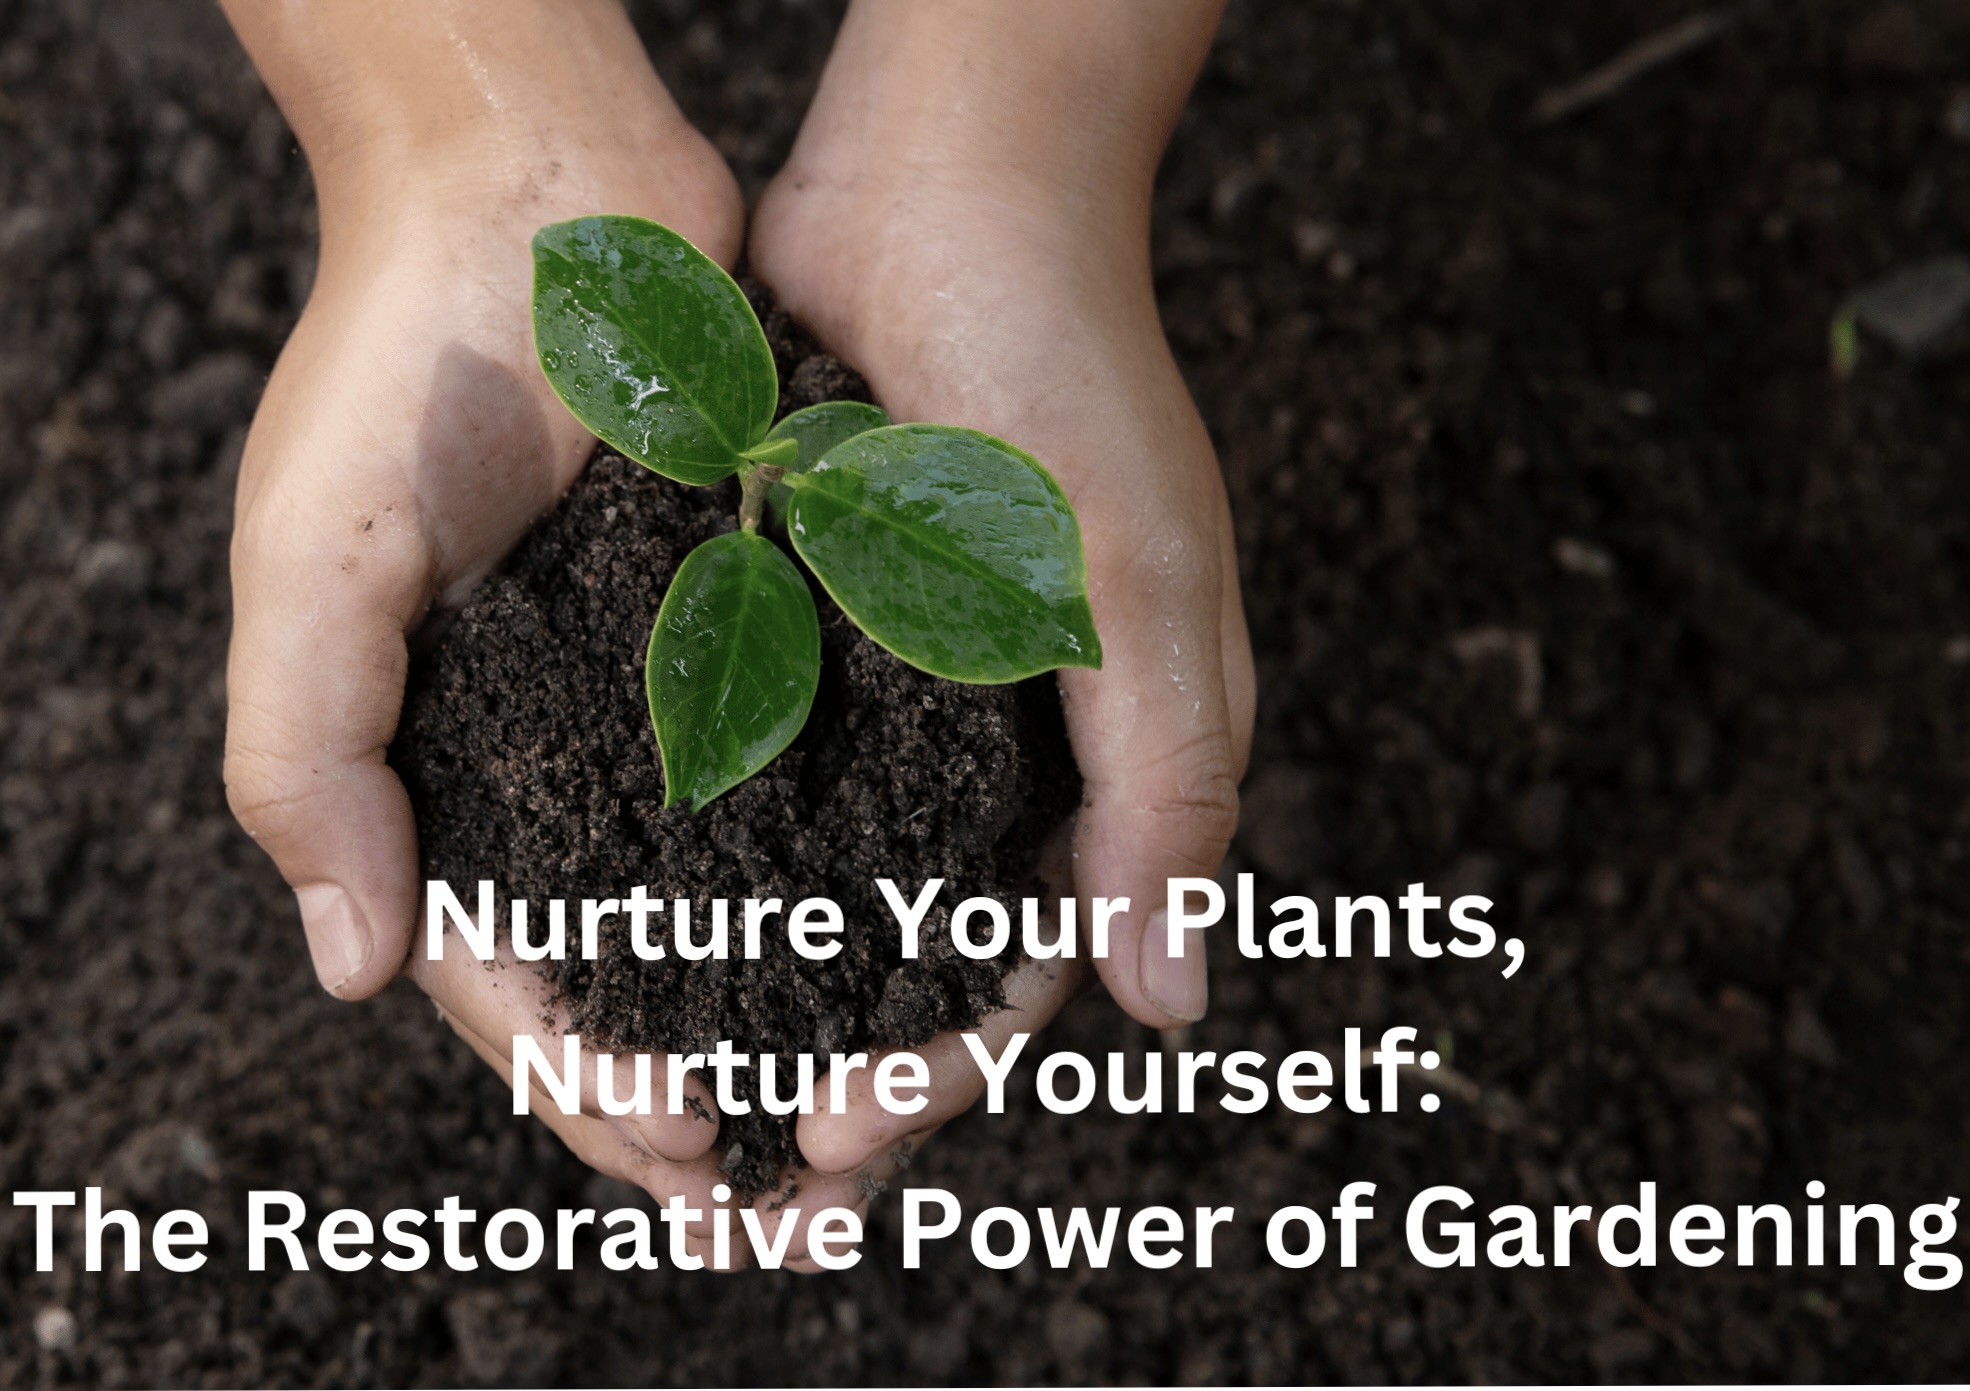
[1177, 985]
[338, 934]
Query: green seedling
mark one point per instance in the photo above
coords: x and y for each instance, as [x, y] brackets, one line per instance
[952, 549]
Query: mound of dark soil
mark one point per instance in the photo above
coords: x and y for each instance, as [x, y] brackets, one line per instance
[527, 748]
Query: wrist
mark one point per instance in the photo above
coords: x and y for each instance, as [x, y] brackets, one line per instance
[516, 113]
[1065, 108]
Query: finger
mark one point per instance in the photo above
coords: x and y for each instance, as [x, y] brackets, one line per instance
[487, 1005]
[506, 999]
[864, 1131]
[324, 588]
[606, 1150]
[1154, 735]
[1241, 687]
[853, 1192]
[800, 1197]
[329, 570]
[373, 485]
[812, 1195]
[601, 1146]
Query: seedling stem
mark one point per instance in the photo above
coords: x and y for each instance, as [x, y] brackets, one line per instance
[758, 483]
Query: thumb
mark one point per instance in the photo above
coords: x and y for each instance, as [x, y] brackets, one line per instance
[323, 594]
[1161, 733]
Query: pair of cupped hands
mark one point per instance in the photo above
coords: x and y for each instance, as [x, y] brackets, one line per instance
[979, 254]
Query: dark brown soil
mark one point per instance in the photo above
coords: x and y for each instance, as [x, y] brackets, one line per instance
[527, 748]
[1432, 343]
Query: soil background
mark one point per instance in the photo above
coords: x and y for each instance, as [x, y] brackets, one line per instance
[1575, 579]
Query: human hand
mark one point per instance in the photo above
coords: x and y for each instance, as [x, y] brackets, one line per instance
[406, 441]
[407, 438]
[965, 219]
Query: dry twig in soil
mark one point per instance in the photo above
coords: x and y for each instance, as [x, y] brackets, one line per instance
[1611, 76]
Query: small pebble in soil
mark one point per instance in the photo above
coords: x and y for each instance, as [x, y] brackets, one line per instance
[54, 1328]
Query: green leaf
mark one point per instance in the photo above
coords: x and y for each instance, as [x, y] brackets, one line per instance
[652, 345]
[952, 549]
[817, 429]
[776, 453]
[733, 663]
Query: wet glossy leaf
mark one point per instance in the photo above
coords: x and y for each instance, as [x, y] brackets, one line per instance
[732, 667]
[652, 345]
[817, 429]
[952, 549]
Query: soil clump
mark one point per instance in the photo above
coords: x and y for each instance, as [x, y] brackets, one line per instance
[527, 748]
